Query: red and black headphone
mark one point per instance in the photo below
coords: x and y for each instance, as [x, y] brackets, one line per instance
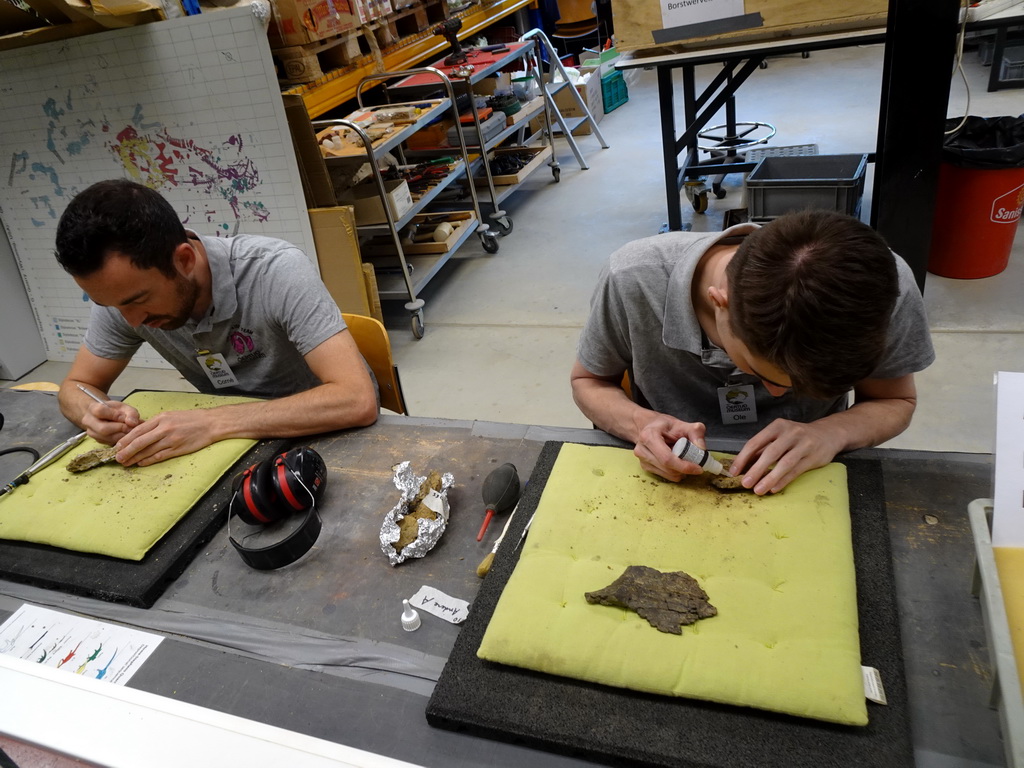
[270, 491]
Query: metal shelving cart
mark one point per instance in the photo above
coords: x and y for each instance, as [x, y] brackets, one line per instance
[483, 64]
[402, 275]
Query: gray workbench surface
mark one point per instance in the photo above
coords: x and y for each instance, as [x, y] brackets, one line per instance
[317, 647]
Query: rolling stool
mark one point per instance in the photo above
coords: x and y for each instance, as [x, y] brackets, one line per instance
[728, 147]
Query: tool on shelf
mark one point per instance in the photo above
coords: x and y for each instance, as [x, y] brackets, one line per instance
[449, 29]
[500, 493]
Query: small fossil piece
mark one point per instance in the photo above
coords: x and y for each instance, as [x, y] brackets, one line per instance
[93, 458]
[666, 600]
[728, 483]
[408, 527]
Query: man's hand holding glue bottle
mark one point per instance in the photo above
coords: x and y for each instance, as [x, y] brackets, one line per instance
[702, 457]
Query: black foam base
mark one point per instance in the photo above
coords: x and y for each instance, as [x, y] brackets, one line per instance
[622, 727]
[31, 415]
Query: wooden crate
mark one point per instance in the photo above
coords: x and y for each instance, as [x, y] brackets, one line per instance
[309, 62]
[460, 221]
[635, 20]
[540, 156]
[524, 111]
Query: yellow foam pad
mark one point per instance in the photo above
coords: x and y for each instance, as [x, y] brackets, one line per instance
[115, 510]
[779, 569]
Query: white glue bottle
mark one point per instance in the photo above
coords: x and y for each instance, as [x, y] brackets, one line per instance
[687, 451]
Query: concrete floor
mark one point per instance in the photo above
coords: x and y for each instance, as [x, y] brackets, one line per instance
[501, 329]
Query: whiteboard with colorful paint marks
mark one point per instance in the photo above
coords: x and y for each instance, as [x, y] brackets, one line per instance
[190, 107]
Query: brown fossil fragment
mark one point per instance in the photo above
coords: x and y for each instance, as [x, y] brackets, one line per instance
[666, 600]
[93, 458]
[729, 484]
[408, 527]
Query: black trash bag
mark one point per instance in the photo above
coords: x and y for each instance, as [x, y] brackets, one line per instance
[985, 142]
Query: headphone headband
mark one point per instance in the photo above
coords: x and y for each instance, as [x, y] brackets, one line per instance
[268, 492]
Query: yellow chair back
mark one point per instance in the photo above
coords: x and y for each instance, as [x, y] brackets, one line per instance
[372, 339]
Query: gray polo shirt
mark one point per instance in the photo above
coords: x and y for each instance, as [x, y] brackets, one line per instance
[269, 310]
[642, 320]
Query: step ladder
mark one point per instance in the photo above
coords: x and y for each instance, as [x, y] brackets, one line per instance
[549, 101]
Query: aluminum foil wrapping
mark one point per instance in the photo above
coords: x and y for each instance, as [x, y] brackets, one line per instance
[408, 483]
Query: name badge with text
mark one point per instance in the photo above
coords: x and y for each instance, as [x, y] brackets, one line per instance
[737, 403]
[217, 370]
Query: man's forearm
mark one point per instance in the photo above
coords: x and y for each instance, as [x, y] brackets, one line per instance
[325, 408]
[608, 407]
[872, 422]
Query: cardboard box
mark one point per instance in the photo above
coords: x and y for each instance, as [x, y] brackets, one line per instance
[434, 135]
[298, 22]
[637, 21]
[337, 253]
[590, 92]
[369, 206]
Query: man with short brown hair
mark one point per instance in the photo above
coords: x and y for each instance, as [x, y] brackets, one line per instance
[244, 315]
[757, 333]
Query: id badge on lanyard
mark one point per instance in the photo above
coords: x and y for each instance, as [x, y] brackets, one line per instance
[737, 403]
[217, 369]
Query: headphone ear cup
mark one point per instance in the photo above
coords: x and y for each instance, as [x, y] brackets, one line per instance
[301, 473]
[258, 497]
[288, 481]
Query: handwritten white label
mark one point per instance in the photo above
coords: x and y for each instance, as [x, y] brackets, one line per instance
[436, 503]
[439, 604]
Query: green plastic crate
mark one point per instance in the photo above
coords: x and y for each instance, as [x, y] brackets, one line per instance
[614, 92]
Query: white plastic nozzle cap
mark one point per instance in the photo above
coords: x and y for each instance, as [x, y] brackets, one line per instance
[410, 618]
[713, 466]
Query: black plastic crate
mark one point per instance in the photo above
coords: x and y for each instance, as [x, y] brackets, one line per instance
[780, 185]
[1012, 67]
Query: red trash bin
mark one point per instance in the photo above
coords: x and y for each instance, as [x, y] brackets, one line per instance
[979, 198]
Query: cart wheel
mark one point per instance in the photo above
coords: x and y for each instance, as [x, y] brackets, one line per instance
[719, 192]
[700, 201]
[417, 324]
[763, 65]
[504, 225]
[490, 242]
[557, 173]
[805, 54]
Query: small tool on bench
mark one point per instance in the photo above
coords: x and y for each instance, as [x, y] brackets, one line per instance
[500, 493]
[485, 565]
[44, 461]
